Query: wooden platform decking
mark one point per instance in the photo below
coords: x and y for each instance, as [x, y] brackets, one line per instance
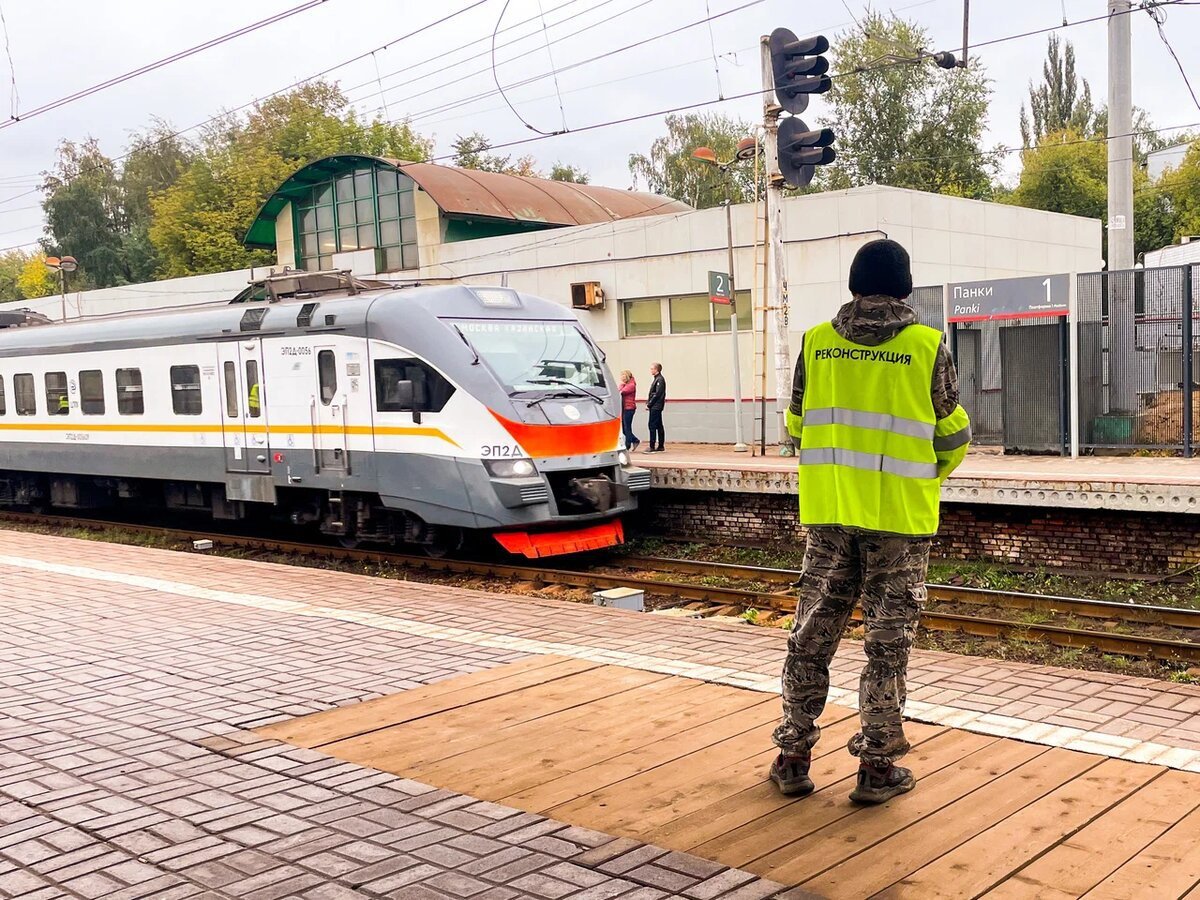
[682, 764]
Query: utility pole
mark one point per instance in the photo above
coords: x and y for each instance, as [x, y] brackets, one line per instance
[777, 296]
[1122, 386]
[739, 445]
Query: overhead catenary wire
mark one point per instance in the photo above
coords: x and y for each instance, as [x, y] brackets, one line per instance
[160, 63]
[1160, 18]
[14, 98]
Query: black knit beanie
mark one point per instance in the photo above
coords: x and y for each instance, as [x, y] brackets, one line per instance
[881, 267]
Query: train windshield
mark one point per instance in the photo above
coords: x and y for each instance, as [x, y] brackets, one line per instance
[527, 355]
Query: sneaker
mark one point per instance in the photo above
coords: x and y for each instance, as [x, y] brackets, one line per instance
[636, 444]
[790, 774]
[880, 785]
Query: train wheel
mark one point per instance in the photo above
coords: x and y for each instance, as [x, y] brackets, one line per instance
[442, 542]
[350, 543]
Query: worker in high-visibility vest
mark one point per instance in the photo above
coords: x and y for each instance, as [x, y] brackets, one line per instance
[64, 404]
[875, 412]
[252, 400]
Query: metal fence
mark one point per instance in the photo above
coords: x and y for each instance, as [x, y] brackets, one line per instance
[1137, 386]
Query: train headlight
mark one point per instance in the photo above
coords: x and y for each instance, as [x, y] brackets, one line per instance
[509, 468]
[623, 457]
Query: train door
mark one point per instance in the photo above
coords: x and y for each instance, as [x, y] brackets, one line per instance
[329, 414]
[244, 407]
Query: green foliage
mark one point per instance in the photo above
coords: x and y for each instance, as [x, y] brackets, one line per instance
[11, 264]
[912, 126]
[1062, 101]
[670, 169]
[199, 221]
[471, 152]
[563, 172]
[35, 279]
[1181, 187]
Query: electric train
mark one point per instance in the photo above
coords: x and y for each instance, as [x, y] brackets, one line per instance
[380, 414]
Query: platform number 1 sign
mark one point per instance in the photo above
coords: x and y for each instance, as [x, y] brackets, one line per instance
[720, 288]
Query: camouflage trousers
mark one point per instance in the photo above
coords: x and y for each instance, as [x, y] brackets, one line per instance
[841, 567]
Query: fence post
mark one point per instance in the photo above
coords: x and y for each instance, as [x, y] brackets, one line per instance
[1073, 359]
[1186, 361]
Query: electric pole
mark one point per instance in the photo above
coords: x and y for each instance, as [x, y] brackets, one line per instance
[777, 296]
[1122, 387]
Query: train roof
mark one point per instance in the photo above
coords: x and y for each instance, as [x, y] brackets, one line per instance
[338, 313]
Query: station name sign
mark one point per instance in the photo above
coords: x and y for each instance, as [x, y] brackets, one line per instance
[1008, 298]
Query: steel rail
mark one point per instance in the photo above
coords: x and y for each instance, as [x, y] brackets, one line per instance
[1108, 642]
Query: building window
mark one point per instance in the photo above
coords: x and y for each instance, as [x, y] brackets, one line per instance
[26, 399]
[57, 403]
[369, 207]
[129, 392]
[327, 375]
[91, 393]
[745, 313]
[642, 317]
[691, 314]
[185, 390]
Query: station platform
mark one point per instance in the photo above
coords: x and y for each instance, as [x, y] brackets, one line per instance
[1146, 484]
[184, 726]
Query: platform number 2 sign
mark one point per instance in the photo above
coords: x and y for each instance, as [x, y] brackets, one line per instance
[720, 287]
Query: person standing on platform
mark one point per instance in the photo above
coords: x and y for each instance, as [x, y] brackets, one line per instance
[655, 401]
[875, 413]
[628, 408]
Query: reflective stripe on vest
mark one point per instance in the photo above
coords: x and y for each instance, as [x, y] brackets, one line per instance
[867, 437]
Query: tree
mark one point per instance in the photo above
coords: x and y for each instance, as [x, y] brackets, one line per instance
[562, 172]
[1068, 173]
[670, 169]
[198, 222]
[35, 279]
[11, 264]
[471, 152]
[1062, 101]
[84, 213]
[914, 126]
[1181, 187]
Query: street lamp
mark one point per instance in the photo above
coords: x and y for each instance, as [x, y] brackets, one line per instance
[747, 148]
[62, 265]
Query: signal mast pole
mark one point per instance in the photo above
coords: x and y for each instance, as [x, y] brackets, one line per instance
[777, 294]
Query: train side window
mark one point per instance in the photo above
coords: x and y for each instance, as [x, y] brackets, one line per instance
[253, 390]
[3, 408]
[57, 402]
[91, 392]
[185, 390]
[25, 396]
[327, 374]
[431, 392]
[129, 392]
[231, 403]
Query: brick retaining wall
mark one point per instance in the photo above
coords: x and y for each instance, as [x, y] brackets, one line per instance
[1056, 538]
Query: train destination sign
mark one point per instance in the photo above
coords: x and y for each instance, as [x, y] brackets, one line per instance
[1008, 298]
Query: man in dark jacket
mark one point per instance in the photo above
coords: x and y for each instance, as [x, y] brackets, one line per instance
[655, 401]
[875, 412]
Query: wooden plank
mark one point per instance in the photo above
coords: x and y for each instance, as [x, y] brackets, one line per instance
[637, 806]
[975, 865]
[344, 722]
[911, 848]
[1168, 867]
[1086, 858]
[831, 765]
[776, 834]
[521, 756]
[405, 747]
[650, 755]
[984, 760]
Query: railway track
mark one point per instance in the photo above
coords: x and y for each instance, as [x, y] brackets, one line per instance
[726, 597]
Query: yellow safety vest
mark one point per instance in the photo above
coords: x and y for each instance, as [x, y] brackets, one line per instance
[873, 453]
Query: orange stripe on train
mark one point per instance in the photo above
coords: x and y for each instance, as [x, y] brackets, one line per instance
[541, 441]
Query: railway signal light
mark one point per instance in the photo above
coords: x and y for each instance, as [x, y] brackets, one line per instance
[802, 150]
[799, 68]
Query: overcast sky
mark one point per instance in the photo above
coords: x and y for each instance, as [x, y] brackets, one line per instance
[76, 43]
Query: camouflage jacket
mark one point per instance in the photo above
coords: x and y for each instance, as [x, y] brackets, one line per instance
[870, 321]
